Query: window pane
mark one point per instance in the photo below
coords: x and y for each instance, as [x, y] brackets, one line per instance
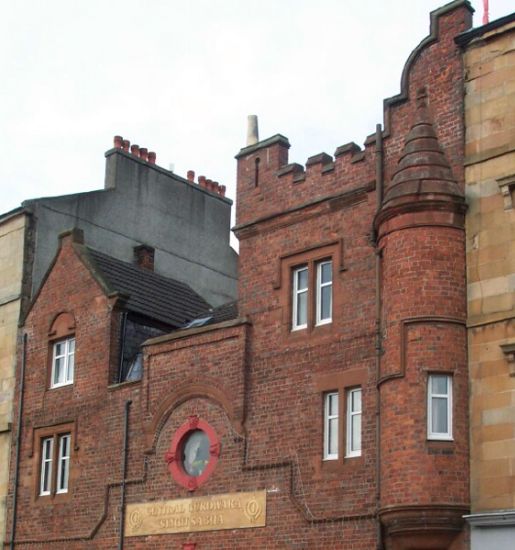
[439, 420]
[439, 384]
[356, 401]
[333, 404]
[46, 465]
[63, 477]
[58, 370]
[302, 308]
[331, 425]
[196, 453]
[325, 311]
[71, 365]
[45, 481]
[326, 275]
[65, 439]
[64, 362]
[302, 279]
[353, 437]
[332, 444]
[356, 432]
[47, 449]
[64, 463]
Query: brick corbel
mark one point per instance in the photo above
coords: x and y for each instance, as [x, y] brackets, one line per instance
[419, 527]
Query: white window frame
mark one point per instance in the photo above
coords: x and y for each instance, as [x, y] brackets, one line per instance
[350, 452]
[295, 294]
[46, 466]
[55, 464]
[320, 286]
[328, 418]
[67, 372]
[447, 435]
[63, 458]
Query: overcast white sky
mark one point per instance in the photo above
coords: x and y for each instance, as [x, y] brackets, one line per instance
[180, 77]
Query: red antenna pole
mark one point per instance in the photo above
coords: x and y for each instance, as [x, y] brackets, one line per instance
[486, 17]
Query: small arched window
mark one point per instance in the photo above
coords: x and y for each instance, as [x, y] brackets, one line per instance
[62, 350]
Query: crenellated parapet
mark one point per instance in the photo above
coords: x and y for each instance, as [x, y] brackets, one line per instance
[269, 184]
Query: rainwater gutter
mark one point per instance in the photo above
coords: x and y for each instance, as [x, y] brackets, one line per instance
[378, 338]
[18, 441]
[124, 472]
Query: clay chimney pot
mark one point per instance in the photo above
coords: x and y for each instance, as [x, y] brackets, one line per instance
[191, 175]
[135, 150]
[151, 157]
[143, 153]
[118, 142]
[125, 145]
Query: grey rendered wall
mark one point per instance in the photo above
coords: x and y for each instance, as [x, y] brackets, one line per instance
[144, 204]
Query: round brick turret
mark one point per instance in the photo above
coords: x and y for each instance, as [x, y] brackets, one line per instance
[420, 227]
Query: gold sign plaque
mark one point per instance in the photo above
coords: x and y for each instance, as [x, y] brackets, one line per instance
[230, 511]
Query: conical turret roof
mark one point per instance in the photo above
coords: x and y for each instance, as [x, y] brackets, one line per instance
[423, 168]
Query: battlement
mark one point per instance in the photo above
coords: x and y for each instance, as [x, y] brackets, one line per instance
[269, 184]
[264, 170]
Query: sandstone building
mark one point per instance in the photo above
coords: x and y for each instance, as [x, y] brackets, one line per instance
[489, 56]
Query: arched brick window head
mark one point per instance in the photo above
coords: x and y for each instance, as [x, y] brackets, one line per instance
[193, 453]
[62, 326]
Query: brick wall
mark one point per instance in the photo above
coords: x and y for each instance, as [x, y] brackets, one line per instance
[259, 384]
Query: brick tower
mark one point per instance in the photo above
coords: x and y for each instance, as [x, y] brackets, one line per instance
[423, 382]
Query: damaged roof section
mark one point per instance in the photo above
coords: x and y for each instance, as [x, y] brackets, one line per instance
[225, 312]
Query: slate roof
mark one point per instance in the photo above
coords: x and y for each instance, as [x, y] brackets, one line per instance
[149, 294]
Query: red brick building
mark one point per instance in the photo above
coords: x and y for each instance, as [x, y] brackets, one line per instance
[327, 409]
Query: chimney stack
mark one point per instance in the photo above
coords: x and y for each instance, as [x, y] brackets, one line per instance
[144, 256]
[252, 130]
